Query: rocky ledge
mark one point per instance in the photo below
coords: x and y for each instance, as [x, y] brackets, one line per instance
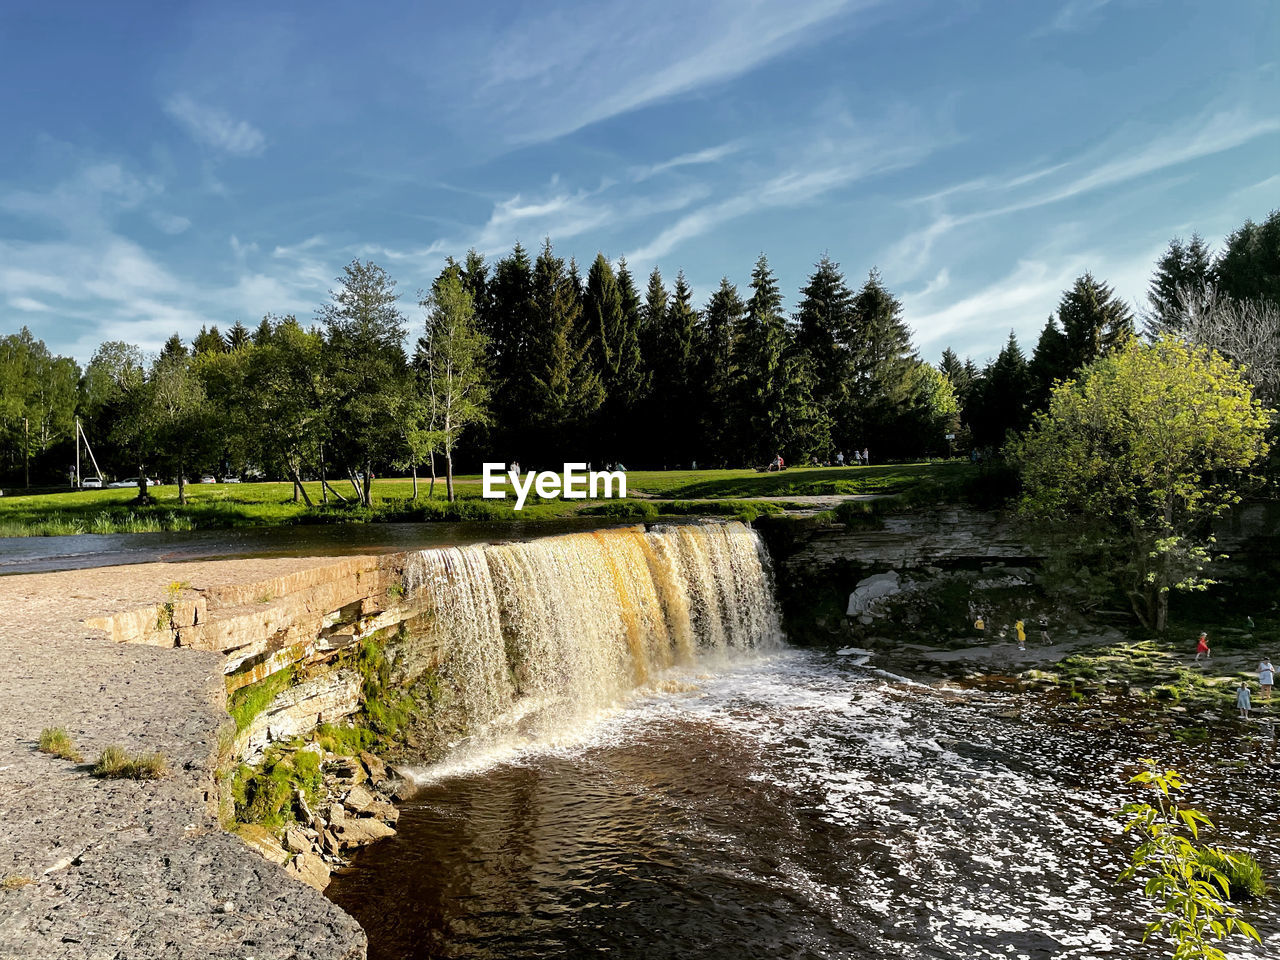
[93, 868]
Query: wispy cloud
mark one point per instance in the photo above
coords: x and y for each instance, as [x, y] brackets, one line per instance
[1074, 15]
[696, 159]
[556, 77]
[1193, 139]
[215, 128]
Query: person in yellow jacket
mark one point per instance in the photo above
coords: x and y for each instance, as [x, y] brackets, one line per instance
[1020, 629]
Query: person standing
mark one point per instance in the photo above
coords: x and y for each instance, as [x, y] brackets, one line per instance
[1020, 629]
[1242, 699]
[1266, 677]
[1202, 647]
[866, 457]
[839, 458]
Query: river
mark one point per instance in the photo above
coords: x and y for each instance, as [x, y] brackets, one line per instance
[789, 804]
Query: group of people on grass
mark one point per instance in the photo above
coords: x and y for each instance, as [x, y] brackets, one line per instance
[1244, 695]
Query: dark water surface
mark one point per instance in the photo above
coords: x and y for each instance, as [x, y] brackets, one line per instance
[785, 806]
[81, 551]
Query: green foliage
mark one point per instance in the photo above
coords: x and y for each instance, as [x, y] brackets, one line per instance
[250, 700]
[115, 763]
[57, 742]
[266, 795]
[1131, 461]
[1184, 878]
[1243, 872]
[344, 739]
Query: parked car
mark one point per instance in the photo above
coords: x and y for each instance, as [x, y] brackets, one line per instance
[230, 479]
[208, 479]
[91, 483]
[130, 482]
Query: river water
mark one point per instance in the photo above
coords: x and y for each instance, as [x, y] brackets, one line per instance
[788, 804]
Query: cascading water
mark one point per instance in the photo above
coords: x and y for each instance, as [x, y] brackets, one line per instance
[572, 623]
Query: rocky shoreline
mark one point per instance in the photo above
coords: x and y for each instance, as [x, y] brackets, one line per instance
[93, 868]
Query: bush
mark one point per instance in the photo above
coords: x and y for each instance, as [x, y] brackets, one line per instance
[624, 510]
[114, 763]
[1243, 873]
[56, 742]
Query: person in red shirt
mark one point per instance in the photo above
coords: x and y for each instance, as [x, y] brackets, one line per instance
[1202, 647]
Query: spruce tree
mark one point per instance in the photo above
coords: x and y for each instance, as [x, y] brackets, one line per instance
[883, 388]
[208, 341]
[566, 390]
[1001, 397]
[237, 336]
[762, 351]
[1094, 320]
[824, 336]
[505, 323]
[1050, 361]
[673, 377]
[718, 375]
[1188, 265]
[1249, 267]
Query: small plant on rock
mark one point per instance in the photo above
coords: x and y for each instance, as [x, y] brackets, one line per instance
[56, 742]
[1191, 884]
[114, 763]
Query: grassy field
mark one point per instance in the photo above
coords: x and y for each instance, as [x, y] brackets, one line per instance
[651, 494]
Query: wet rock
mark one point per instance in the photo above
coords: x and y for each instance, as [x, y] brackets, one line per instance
[872, 588]
[384, 811]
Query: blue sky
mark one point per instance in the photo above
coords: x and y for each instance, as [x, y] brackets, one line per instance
[166, 165]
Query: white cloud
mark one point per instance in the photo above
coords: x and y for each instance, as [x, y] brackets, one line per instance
[169, 223]
[551, 76]
[1074, 15]
[697, 158]
[28, 305]
[215, 128]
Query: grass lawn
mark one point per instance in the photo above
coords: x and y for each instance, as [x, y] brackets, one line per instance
[271, 504]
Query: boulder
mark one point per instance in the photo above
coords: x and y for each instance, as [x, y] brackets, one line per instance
[377, 769]
[358, 832]
[296, 841]
[383, 811]
[870, 589]
[310, 869]
[359, 799]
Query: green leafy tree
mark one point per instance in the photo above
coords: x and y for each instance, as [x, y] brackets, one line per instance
[452, 353]
[364, 333]
[38, 394]
[1131, 461]
[176, 420]
[1180, 874]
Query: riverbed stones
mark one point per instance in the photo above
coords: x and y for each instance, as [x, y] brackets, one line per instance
[295, 841]
[374, 765]
[358, 799]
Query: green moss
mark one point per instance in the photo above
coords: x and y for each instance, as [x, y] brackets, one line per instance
[267, 795]
[249, 701]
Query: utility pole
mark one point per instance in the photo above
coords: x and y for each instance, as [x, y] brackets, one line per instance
[26, 451]
[77, 453]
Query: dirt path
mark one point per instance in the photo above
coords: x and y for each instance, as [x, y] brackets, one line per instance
[126, 868]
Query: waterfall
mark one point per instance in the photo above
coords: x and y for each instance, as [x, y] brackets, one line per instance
[566, 625]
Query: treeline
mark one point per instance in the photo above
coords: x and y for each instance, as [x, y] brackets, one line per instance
[1230, 302]
[524, 359]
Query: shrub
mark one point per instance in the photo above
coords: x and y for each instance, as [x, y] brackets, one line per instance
[114, 763]
[56, 742]
[1243, 873]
